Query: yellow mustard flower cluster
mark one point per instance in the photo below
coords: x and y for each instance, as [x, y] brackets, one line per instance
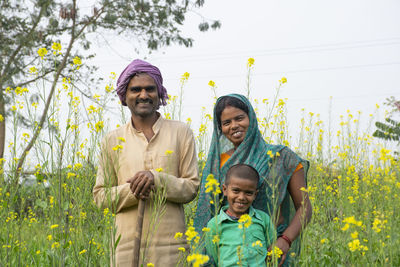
[351, 220]
[56, 48]
[191, 234]
[275, 252]
[258, 243]
[250, 62]
[356, 245]
[42, 52]
[244, 221]
[197, 259]
[212, 185]
[185, 77]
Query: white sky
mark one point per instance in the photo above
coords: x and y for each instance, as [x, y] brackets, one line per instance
[347, 49]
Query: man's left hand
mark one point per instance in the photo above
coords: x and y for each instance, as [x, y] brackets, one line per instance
[141, 184]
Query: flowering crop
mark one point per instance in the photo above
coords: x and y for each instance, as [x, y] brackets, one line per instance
[353, 180]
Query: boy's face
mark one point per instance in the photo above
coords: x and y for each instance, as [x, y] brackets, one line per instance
[240, 194]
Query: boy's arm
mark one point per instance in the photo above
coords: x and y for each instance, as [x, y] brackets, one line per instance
[211, 247]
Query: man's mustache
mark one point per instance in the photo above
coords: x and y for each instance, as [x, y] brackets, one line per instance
[144, 101]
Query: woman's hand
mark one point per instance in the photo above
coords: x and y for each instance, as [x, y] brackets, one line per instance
[284, 246]
[302, 216]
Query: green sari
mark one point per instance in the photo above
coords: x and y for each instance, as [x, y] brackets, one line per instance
[275, 169]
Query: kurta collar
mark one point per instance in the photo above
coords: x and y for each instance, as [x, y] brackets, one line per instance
[156, 126]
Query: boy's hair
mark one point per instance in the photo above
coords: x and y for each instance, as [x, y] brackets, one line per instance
[242, 171]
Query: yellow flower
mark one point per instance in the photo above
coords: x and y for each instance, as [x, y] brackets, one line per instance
[150, 264]
[49, 237]
[354, 245]
[168, 152]
[215, 239]
[323, 241]
[345, 227]
[42, 52]
[117, 148]
[77, 61]
[303, 189]
[82, 252]
[376, 225]
[283, 80]
[244, 220]
[99, 125]
[32, 70]
[275, 252]
[197, 259]
[354, 235]
[55, 245]
[20, 90]
[105, 212]
[212, 185]
[250, 62]
[182, 249]
[352, 220]
[1, 118]
[54, 226]
[56, 46]
[71, 174]
[211, 83]
[281, 102]
[121, 139]
[159, 169]
[190, 233]
[185, 76]
[257, 243]
[205, 229]
[178, 235]
[77, 166]
[37, 251]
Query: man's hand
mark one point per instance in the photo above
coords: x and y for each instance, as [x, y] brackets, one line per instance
[141, 184]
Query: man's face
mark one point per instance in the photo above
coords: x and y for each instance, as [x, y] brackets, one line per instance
[142, 95]
[240, 194]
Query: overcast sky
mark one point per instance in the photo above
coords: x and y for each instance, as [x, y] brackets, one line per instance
[345, 49]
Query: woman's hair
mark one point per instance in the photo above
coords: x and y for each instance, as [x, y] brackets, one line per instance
[230, 101]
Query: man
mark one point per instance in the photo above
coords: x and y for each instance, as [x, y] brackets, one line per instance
[147, 155]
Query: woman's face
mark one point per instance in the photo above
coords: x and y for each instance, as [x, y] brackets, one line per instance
[234, 124]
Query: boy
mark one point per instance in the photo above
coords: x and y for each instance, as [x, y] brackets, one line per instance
[237, 238]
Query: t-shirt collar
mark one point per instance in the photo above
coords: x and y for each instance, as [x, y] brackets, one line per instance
[223, 216]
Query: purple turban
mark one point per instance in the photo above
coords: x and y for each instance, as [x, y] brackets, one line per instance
[140, 66]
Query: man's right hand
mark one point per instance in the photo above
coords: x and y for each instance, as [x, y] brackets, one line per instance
[141, 184]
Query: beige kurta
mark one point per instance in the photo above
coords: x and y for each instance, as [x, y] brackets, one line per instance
[179, 177]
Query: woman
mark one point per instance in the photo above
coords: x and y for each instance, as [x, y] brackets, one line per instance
[237, 139]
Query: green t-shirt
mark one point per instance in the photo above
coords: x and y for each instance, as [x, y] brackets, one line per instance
[231, 237]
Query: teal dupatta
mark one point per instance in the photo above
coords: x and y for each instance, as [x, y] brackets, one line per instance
[274, 163]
